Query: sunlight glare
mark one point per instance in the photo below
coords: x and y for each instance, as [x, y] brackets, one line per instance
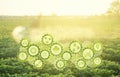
[59, 7]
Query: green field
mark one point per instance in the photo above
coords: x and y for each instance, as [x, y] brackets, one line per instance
[64, 29]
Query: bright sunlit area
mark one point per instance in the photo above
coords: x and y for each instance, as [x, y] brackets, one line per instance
[59, 38]
[58, 7]
[70, 26]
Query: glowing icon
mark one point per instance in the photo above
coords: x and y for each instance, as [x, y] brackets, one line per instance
[81, 64]
[33, 50]
[75, 47]
[97, 60]
[66, 56]
[22, 56]
[24, 42]
[44, 54]
[56, 49]
[38, 63]
[47, 39]
[60, 64]
[87, 53]
[97, 46]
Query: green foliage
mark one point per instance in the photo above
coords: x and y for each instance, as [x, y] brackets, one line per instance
[10, 66]
[8, 47]
[111, 50]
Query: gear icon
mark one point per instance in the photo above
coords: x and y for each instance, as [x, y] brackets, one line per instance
[24, 42]
[81, 64]
[97, 46]
[75, 47]
[47, 39]
[60, 64]
[22, 56]
[38, 63]
[88, 54]
[66, 56]
[56, 49]
[33, 50]
[97, 61]
[44, 54]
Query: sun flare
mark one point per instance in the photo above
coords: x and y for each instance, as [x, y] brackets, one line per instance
[48, 7]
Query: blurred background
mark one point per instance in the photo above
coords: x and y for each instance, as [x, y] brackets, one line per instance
[65, 20]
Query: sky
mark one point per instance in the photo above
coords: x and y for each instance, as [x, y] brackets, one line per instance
[48, 7]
